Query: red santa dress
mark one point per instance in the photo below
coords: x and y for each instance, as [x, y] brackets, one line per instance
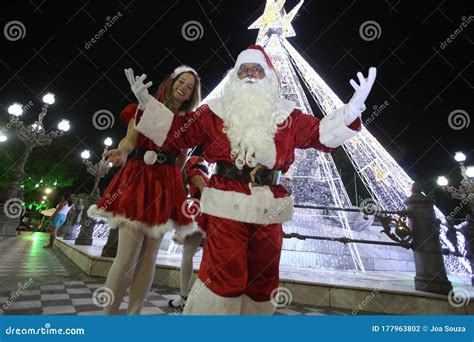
[149, 197]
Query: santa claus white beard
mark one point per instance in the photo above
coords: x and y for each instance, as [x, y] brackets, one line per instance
[249, 116]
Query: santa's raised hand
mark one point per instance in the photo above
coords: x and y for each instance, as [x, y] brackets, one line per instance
[139, 88]
[356, 104]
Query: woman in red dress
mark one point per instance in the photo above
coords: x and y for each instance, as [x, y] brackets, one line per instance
[146, 198]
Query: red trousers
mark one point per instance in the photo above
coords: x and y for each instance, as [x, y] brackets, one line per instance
[241, 258]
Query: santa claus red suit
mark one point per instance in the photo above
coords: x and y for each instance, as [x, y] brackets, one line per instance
[251, 134]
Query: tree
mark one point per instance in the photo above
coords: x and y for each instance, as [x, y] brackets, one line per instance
[52, 166]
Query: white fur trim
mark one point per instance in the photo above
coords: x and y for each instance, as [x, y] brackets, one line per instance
[155, 122]
[155, 231]
[183, 232]
[259, 208]
[183, 68]
[202, 301]
[332, 130]
[251, 56]
[253, 308]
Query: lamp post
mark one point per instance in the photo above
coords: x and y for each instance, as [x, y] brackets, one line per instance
[98, 170]
[32, 136]
[465, 191]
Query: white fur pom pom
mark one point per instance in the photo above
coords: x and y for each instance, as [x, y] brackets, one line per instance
[150, 157]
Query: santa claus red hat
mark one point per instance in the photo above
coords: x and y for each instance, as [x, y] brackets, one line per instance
[254, 54]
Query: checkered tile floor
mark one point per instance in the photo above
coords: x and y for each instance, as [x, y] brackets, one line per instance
[75, 297]
[59, 288]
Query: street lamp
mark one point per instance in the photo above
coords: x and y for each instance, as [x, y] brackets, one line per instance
[85, 154]
[49, 98]
[98, 170]
[459, 157]
[3, 137]
[15, 109]
[442, 181]
[465, 191]
[64, 125]
[33, 135]
[108, 142]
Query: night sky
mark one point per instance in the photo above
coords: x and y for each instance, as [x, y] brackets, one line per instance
[421, 75]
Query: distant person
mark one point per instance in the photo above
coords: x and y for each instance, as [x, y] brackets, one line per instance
[59, 217]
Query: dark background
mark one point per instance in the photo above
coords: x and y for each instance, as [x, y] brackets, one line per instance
[422, 82]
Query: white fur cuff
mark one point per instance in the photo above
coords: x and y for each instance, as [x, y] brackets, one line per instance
[155, 122]
[258, 208]
[182, 232]
[333, 132]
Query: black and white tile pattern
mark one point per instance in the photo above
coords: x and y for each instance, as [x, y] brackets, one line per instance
[59, 288]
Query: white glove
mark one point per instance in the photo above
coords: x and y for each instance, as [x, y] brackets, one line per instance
[138, 87]
[356, 104]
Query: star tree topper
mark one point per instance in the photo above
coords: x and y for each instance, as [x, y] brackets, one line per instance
[275, 20]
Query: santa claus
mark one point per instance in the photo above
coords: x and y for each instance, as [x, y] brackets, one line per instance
[251, 134]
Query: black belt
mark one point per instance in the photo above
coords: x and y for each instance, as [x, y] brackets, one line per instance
[263, 176]
[164, 158]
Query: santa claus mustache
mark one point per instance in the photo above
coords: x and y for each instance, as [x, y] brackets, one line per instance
[250, 80]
